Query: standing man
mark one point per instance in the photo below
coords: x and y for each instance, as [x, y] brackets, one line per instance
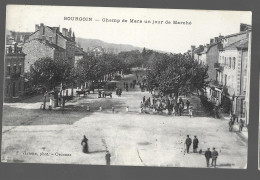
[188, 105]
[195, 144]
[180, 108]
[241, 125]
[208, 156]
[214, 157]
[108, 155]
[84, 144]
[144, 99]
[188, 143]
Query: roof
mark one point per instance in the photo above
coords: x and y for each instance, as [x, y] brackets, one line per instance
[198, 50]
[79, 51]
[48, 44]
[211, 45]
[231, 35]
[243, 43]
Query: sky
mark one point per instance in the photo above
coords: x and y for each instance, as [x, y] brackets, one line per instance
[175, 38]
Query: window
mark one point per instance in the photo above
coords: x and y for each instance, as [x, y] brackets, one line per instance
[245, 83]
[9, 70]
[20, 68]
[228, 83]
[19, 86]
[14, 68]
[225, 61]
[229, 63]
[225, 79]
[234, 62]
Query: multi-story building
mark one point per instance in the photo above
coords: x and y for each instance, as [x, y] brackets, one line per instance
[18, 37]
[232, 72]
[49, 42]
[14, 70]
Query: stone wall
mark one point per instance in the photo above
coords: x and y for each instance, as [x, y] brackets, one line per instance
[34, 51]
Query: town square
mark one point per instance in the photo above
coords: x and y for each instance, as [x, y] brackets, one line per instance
[70, 100]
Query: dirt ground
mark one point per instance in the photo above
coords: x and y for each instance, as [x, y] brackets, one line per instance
[32, 135]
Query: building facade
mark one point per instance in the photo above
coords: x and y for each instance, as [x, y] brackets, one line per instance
[14, 72]
[49, 42]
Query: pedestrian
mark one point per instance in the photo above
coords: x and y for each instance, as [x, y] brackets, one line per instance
[143, 99]
[108, 156]
[116, 91]
[190, 112]
[149, 101]
[195, 144]
[84, 144]
[231, 123]
[241, 125]
[173, 110]
[188, 142]
[187, 104]
[216, 112]
[208, 156]
[119, 92]
[214, 157]
[180, 109]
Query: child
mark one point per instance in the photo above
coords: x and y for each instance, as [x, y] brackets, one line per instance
[190, 112]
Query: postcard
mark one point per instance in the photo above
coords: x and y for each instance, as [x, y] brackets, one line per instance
[126, 86]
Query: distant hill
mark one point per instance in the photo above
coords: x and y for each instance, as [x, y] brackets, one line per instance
[89, 44]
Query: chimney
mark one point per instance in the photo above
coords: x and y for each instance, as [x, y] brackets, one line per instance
[243, 27]
[42, 29]
[37, 27]
[69, 33]
[193, 47]
[201, 47]
[220, 37]
[64, 31]
[220, 46]
[211, 41]
[216, 39]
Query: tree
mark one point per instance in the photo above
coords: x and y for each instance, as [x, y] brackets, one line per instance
[177, 74]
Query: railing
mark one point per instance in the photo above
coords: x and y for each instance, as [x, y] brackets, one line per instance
[219, 66]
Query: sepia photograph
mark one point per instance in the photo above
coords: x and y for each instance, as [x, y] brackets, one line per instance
[126, 86]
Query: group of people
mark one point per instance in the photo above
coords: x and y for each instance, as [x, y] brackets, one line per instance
[132, 85]
[195, 143]
[118, 92]
[208, 153]
[232, 122]
[85, 149]
[173, 106]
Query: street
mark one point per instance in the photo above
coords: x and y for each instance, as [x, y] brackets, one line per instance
[32, 135]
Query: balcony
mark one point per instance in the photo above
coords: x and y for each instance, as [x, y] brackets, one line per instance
[219, 66]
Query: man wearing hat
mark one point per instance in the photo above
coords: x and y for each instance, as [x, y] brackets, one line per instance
[188, 143]
[208, 156]
[214, 157]
[195, 144]
[108, 155]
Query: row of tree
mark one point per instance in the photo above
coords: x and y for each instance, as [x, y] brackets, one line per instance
[51, 73]
[176, 74]
[170, 73]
